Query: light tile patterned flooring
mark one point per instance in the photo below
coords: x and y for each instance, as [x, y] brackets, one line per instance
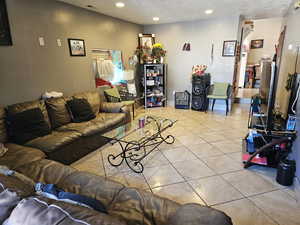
[204, 166]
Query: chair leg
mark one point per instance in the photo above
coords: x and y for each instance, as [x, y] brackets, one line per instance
[226, 106]
[133, 111]
[213, 104]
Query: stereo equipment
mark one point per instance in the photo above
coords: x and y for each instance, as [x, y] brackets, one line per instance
[200, 86]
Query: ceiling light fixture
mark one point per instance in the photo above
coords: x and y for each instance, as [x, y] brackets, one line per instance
[120, 4]
[209, 11]
[156, 19]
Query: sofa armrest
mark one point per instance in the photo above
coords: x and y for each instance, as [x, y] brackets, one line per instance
[116, 107]
[195, 214]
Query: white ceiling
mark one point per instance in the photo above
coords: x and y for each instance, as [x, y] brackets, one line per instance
[142, 11]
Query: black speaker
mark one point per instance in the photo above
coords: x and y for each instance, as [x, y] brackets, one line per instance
[200, 86]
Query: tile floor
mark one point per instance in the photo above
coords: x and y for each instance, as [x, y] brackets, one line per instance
[204, 166]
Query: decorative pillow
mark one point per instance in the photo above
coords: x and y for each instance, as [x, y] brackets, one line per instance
[28, 125]
[81, 110]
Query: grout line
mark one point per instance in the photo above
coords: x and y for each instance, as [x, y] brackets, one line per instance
[185, 180]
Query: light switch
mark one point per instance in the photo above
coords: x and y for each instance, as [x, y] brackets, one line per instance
[41, 41]
[58, 42]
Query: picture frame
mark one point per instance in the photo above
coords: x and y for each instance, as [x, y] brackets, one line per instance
[5, 35]
[259, 43]
[146, 40]
[76, 47]
[229, 48]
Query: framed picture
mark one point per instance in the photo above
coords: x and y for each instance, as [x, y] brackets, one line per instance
[229, 48]
[76, 47]
[5, 37]
[146, 40]
[257, 43]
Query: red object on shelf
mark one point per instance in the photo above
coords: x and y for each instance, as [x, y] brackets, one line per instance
[100, 82]
[256, 160]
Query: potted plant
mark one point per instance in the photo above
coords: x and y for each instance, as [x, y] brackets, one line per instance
[158, 52]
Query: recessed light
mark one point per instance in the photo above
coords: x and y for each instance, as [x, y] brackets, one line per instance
[155, 18]
[209, 11]
[120, 4]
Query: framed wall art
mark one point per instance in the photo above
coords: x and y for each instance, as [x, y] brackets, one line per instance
[76, 47]
[229, 48]
[146, 40]
[257, 43]
[5, 36]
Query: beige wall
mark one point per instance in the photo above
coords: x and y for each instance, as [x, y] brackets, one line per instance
[269, 30]
[288, 57]
[201, 34]
[27, 70]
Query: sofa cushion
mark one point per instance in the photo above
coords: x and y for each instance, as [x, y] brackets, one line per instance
[92, 97]
[13, 183]
[36, 210]
[203, 214]
[18, 155]
[110, 120]
[58, 112]
[3, 131]
[28, 125]
[138, 207]
[80, 109]
[20, 107]
[47, 171]
[53, 141]
[85, 128]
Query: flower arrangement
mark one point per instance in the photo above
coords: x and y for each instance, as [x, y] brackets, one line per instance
[158, 51]
[199, 70]
[144, 52]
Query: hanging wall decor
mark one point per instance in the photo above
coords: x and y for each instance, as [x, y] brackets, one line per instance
[257, 43]
[76, 47]
[186, 47]
[229, 48]
[5, 36]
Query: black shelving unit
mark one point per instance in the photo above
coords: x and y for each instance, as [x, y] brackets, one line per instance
[154, 82]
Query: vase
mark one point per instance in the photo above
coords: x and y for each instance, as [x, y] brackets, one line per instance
[161, 60]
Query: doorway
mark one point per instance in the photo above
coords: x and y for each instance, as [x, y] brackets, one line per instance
[258, 43]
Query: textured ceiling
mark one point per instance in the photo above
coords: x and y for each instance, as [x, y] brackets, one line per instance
[142, 11]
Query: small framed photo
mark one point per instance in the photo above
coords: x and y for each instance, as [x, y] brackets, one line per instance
[76, 47]
[257, 43]
[146, 40]
[229, 48]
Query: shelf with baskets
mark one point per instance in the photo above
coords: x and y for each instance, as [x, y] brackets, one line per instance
[154, 82]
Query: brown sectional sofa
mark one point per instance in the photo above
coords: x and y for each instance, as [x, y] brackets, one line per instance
[69, 141]
[124, 205]
[19, 204]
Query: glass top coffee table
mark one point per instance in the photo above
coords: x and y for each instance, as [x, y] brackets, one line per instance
[138, 139]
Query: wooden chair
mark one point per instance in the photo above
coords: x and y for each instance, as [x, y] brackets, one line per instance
[220, 91]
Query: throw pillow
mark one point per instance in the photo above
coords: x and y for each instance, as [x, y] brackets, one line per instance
[80, 110]
[28, 125]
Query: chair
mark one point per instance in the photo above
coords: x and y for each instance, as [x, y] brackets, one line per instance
[121, 94]
[220, 91]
